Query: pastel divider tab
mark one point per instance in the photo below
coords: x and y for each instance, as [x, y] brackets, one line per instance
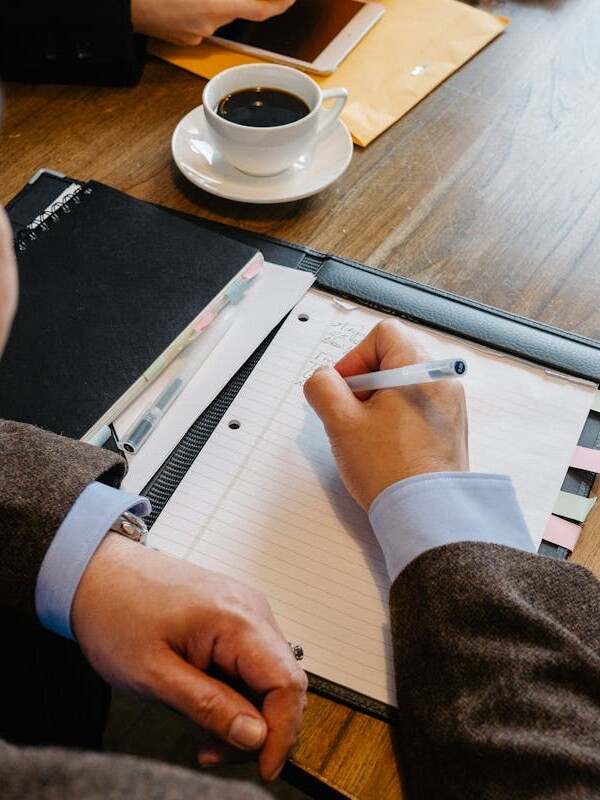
[204, 321]
[562, 532]
[573, 506]
[586, 458]
[187, 338]
[254, 267]
[236, 291]
[155, 368]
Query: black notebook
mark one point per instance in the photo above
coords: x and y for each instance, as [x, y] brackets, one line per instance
[107, 282]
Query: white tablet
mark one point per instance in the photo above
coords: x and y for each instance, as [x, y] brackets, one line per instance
[314, 35]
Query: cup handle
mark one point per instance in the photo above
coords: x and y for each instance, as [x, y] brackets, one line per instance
[329, 115]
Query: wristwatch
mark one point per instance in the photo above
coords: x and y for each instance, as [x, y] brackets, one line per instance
[131, 526]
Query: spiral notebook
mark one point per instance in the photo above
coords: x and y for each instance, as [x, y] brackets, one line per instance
[107, 282]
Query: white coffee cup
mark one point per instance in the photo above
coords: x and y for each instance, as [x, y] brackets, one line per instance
[268, 150]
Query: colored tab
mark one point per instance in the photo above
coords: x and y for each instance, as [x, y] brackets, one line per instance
[100, 437]
[204, 321]
[155, 369]
[186, 339]
[254, 267]
[573, 506]
[586, 458]
[562, 532]
[596, 402]
[235, 293]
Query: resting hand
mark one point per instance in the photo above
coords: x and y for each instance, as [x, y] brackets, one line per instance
[382, 437]
[154, 625]
[187, 22]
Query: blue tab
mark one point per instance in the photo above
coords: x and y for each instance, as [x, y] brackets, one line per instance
[235, 293]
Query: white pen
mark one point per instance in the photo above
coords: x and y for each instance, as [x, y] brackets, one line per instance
[405, 376]
[191, 359]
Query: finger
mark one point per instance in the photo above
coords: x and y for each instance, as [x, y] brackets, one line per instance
[282, 709]
[260, 10]
[211, 704]
[389, 344]
[331, 398]
[268, 666]
[215, 752]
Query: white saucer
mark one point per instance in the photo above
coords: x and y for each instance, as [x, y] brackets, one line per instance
[203, 166]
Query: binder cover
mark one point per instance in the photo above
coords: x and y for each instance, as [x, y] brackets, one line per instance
[548, 346]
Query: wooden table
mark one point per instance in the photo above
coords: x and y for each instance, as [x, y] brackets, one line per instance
[490, 188]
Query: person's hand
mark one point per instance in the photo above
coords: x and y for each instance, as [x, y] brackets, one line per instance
[155, 625]
[382, 437]
[187, 22]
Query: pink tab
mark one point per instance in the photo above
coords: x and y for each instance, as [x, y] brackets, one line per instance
[586, 458]
[254, 267]
[204, 321]
[561, 532]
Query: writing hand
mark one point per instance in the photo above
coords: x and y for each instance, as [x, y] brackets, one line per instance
[382, 437]
[187, 22]
[154, 625]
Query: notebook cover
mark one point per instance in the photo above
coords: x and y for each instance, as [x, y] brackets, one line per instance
[104, 289]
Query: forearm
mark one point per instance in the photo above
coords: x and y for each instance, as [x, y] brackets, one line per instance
[41, 476]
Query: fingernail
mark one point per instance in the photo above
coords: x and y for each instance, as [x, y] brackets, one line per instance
[276, 773]
[247, 732]
[209, 760]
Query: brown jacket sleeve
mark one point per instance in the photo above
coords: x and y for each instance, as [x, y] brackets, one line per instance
[41, 476]
[498, 673]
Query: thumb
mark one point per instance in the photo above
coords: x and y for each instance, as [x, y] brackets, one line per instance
[331, 398]
[212, 704]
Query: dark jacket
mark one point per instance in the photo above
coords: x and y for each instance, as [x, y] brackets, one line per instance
[69, 41]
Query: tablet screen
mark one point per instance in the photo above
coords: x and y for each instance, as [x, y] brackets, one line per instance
[301, 32]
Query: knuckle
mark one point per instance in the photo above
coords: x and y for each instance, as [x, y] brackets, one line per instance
[299, 682]
[243, 603]
[208, 708]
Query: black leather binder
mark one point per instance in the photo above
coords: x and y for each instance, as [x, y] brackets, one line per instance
[539, 343]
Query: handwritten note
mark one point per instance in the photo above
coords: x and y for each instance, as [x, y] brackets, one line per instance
[263, 501]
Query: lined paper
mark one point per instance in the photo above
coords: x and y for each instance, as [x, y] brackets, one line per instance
[263, 501]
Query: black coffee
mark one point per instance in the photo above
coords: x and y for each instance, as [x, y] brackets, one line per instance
[262, 107]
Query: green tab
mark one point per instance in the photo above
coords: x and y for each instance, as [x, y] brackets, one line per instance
[573, 506]
[155, 369]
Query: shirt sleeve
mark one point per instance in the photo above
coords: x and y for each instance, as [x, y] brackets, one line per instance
[76, 541]
[426, 511]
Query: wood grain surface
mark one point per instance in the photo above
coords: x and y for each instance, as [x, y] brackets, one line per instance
[489, 188]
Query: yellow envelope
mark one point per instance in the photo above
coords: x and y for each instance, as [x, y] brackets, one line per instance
[415, 46]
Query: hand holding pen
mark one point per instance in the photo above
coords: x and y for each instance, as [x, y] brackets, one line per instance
[390, 435]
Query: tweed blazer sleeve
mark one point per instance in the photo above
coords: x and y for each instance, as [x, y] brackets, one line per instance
[72, 41]
[498, 673]
[41, 476]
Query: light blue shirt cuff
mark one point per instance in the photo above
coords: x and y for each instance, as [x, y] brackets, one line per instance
[76, 541]
[417, 514]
